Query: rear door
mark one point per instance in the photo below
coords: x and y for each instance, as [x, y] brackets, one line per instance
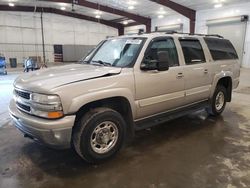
[197, 70]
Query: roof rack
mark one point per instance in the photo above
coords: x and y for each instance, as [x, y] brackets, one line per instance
[204, 35]
[175, 32]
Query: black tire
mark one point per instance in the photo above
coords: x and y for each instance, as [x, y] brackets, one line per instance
[85, 127]
[212, 109]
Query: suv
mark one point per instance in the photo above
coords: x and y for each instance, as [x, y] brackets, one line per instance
[125, 84]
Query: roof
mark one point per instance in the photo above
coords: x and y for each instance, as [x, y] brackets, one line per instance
[159, 34]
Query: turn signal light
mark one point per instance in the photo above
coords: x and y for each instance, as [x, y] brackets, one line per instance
[54, 115]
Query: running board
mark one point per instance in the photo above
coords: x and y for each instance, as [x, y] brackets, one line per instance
[170, 115]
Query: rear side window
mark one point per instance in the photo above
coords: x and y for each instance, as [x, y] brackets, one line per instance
[221, 49]
[192, 51]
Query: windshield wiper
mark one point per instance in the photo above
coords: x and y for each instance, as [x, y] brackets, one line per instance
[101, 63]
[82, 61]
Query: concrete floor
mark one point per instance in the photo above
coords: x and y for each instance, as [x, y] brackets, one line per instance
[193, 151]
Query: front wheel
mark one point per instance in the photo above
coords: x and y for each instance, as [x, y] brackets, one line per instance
[99, 135]
[218, 102]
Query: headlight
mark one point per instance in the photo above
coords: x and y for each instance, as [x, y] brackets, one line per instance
[45, 99]
[47, 106]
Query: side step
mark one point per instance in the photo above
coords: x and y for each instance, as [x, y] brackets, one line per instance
[170, 115]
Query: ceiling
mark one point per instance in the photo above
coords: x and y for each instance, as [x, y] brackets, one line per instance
[144, 8]
[152, 9]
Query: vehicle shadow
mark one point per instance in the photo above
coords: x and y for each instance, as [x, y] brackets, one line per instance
[66, 163]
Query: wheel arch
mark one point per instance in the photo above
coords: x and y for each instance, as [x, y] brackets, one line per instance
[226, 81]
[119, 103]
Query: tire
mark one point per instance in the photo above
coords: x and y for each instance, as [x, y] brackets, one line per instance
[88, 134]
[218, 104]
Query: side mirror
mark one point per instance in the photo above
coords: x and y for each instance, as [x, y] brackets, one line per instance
[163, 61]
[148, 65]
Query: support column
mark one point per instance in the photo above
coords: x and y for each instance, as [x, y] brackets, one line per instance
[192, 26]
[121, 30]
[43, 45]
[148, 27]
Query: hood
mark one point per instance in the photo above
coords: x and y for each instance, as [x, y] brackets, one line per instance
[50, 78]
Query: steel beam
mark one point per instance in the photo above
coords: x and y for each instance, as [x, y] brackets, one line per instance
[141, 19]
[185, 11]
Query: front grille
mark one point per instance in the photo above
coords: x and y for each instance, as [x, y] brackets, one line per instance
[23, 107]
[23, 94]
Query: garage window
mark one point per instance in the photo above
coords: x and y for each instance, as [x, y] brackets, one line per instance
[192, 51]
[221, 49]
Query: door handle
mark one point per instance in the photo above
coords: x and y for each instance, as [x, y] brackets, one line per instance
[180, 75]
[205, 71]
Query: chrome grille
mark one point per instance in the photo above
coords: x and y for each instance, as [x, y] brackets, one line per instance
[23, 94]
[23, 107]
[22, 99]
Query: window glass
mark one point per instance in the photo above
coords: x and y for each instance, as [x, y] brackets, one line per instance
[166, 45]
[192, 51]
[221, 49]
[119, 52]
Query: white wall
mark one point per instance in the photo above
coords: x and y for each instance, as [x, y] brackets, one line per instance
[171, 20]
[134, 29]
[20, 33]
[166, 21]
[226, 11]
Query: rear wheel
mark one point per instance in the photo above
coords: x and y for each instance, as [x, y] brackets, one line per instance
[218, 101]
[99, 135]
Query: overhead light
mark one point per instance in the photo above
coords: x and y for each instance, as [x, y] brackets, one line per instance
[219, 1]
[131, 2]
[63, 8]
[218, 5]
[125, 22]
[160, 16]
[11, 4]
[131, 7]
[98, 16]
[161, 12]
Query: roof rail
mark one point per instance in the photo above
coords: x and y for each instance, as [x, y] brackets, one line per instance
[215, 35]
[176, 32]
[204, 35]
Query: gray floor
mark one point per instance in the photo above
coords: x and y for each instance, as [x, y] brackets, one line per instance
[193, 151]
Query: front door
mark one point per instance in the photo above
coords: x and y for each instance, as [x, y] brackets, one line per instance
[159, 91]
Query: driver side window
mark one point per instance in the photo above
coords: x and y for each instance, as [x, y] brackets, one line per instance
[166, 45]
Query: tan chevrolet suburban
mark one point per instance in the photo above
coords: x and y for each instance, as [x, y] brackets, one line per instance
[125, 84]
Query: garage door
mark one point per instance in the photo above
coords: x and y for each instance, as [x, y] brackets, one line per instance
[234, 30]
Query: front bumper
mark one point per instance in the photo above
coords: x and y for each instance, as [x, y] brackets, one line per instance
[54, 133]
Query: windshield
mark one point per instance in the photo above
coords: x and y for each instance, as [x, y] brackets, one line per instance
[91, 53]
[117, 52]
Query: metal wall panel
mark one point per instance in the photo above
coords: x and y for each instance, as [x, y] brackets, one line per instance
[73, 53]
